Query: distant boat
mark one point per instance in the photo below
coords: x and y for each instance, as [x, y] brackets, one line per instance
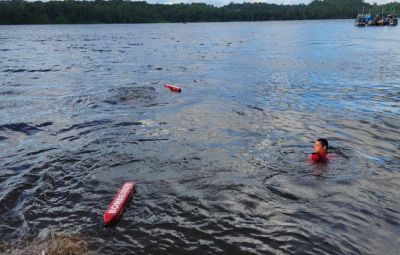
[363, 20]
[391, 20]
[378, 20]
[360, 21]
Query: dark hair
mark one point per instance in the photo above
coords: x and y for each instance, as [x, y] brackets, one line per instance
[323, 142]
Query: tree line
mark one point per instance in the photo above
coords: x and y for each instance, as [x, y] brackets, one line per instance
[122, 11]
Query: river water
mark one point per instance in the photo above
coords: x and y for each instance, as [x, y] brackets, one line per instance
[221, 167]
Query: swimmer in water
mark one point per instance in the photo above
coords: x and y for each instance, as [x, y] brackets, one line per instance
[320, 154]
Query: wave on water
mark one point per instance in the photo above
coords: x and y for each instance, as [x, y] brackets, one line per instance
[21, 70]
[221, 168]
[145, 94]
[24, 128]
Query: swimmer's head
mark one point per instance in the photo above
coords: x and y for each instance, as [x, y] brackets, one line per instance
[321, 145]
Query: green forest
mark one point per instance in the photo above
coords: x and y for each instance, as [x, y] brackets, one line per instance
[121, 11]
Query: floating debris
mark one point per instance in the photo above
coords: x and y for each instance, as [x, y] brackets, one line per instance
[54, 244]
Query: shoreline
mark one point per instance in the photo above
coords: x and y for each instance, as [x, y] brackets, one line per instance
[126, 12]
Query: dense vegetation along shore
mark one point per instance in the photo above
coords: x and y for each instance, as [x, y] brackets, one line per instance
[119, 11]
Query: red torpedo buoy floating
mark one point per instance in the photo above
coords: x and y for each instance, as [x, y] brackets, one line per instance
[115, 209]
[173, 88]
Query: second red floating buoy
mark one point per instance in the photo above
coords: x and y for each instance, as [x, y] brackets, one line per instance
[115, 209]
[173, 88]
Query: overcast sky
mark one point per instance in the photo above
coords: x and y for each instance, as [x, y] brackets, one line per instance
[224, 2]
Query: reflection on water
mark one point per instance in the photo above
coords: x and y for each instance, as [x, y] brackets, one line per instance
[221, 167]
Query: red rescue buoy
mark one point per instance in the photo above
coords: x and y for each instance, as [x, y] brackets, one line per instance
[119, 202]
[173, 88]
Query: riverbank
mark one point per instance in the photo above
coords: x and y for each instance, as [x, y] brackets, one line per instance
[117, 11]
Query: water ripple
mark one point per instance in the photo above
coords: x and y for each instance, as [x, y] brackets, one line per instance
[221, 167]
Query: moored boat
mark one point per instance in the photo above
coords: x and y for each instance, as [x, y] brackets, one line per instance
[378, 20]
[391, 20]
[360, 21]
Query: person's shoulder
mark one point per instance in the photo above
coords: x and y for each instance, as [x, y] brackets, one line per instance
[318, 158]
[314, 157]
